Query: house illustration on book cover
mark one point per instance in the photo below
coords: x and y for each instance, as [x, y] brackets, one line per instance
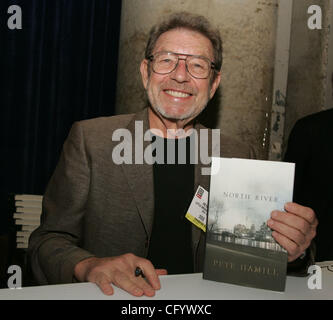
[240, 248]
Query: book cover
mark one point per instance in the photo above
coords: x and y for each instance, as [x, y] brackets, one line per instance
[240, 248]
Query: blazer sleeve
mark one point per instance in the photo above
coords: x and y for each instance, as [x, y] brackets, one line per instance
[54, 246]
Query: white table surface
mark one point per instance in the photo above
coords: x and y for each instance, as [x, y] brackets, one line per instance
[179, 287]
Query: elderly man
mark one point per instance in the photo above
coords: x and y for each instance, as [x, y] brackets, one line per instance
[103, 221]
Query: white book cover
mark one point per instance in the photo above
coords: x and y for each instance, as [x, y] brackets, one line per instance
[239, 245]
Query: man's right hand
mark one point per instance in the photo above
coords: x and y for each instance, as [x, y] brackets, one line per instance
[120, 272]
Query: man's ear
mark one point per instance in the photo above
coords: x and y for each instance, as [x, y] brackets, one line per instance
[215, 84]
[144, 72]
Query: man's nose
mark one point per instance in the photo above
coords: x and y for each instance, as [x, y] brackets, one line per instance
[180, 74]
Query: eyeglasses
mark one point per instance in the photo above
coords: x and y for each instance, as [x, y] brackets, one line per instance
[197, 66]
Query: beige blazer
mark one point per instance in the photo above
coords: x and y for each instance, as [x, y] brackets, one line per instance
[94, 207]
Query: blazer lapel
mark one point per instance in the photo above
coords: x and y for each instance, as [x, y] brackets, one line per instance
[140, 175]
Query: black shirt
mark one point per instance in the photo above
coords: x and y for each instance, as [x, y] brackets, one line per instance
[170, 244]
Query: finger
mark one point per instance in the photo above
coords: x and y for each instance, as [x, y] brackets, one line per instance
[291, 220]
[291, 247]
[124, 282]
[104, 284]
[301, 211]
[150, 273]
[145, 286]
[161, 272]
[291, 233]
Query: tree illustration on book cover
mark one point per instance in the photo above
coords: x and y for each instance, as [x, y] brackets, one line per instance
[240, 248]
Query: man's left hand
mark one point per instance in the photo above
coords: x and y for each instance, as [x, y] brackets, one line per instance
[293, 229]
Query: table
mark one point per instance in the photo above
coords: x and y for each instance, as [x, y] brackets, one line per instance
[179, 287]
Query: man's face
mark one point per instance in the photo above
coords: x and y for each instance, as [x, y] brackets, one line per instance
[177, 95]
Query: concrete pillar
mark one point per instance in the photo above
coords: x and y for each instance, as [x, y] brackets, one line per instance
[243, 102]
[328, 56]
[310, 61]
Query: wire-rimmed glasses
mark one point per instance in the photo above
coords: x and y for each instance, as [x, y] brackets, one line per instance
[165, 62]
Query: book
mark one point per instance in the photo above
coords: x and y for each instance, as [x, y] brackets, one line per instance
[28, 197]
[27, 209]
[31, 210]
[239, 245]
[28, 203]
[23, 234]
[26, 216]
[20, 245]
[29, 228]
[23, 222]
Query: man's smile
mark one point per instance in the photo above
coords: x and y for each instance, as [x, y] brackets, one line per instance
[177, 94]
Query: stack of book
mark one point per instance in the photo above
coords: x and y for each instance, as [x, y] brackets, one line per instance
[28, 209]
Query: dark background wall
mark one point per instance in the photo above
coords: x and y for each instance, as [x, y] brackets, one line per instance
[59, 68]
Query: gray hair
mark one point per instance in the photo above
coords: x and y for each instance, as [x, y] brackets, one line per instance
[191, 22]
